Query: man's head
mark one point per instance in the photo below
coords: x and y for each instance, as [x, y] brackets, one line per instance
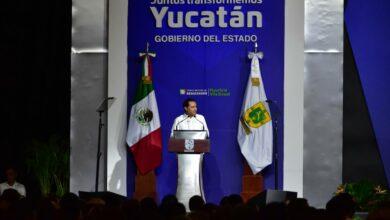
[341, 206]
[196, 203]
[11, 175]
[189, 106]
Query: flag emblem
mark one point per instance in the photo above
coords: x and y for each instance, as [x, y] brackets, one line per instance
[257, 115]
[144, 116]
[147, 79]
[255, 81]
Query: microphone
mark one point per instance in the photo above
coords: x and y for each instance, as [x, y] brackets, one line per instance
[181, 122]
[199, 122]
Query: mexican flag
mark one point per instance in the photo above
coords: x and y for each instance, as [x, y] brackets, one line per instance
[144, 130]
[255, 126]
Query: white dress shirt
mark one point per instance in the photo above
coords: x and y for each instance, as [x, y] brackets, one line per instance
[16, 186]
[184, 122]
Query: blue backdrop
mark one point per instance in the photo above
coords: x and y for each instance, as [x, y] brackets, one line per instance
[182, 68]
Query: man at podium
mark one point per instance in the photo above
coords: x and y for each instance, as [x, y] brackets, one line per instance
[190, 120]
[190, 161]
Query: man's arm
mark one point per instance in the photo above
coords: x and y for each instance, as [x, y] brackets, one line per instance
[174, 126]
[22, 190]
[205, 126]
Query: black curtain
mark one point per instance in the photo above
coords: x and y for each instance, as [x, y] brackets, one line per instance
[361, 157]
[35, 76]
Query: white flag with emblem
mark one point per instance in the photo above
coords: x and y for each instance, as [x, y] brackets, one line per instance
[255, 126]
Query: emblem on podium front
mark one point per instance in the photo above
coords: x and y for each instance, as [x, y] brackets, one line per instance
[189, 145]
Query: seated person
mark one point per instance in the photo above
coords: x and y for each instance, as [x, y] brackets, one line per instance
[11, 183]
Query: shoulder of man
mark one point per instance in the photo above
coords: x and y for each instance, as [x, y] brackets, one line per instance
[180, 117]
[19, 185]
[199, 116]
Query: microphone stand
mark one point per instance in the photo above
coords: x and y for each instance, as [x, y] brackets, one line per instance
[99, 153]
[103, 107]
[275, 118]
[177, 125]
[199, 122]
[276, 155]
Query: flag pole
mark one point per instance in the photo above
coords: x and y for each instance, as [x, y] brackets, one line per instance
[256, 52]
[275, 119]
[256, 47]
[147, 52]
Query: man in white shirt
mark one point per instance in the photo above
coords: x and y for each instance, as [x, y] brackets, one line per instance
[190, 120]
[189, 165]
[11, 183]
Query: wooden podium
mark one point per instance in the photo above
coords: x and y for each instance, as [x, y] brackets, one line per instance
[178, 146]
[190, 147]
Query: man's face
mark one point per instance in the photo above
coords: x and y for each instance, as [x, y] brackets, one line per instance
[11, 175]
[191, 108]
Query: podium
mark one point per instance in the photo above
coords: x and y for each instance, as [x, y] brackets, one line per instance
[189, 146]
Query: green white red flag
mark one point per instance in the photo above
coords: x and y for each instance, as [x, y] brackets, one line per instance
[144, 130]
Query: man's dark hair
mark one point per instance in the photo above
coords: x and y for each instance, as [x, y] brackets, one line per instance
[10, 167]
[341, 206]
[186, 102]
[274, 211]
[196, 203]
[235, 199]
[70, 206]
